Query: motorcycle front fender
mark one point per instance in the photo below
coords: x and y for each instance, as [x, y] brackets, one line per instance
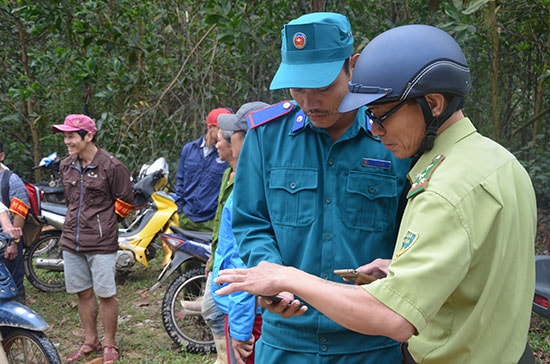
[15, 314]
[178, 258]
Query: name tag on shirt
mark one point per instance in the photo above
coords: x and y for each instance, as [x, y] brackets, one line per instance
[376, 163]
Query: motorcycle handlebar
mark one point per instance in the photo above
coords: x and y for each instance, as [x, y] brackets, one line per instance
[5, 240]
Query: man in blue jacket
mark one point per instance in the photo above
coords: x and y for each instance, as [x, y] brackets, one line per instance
[199, 176]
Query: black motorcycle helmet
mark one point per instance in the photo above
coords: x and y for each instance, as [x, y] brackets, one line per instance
[408, 62]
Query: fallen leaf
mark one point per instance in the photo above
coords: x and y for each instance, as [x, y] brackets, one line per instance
[139, 303]
[95, 361]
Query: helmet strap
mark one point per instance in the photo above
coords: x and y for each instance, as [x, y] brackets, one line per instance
[434, 122]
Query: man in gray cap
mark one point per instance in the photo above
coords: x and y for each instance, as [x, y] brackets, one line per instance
[231, 133]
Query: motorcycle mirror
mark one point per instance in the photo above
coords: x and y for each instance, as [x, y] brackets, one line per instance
[157, 165]
[46, 161]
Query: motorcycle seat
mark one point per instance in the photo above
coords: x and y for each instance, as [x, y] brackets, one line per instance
[542, 286]
[205, 237]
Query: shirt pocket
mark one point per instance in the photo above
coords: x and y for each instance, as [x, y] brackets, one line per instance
[71, 187]
[371, 201]
[96, 190]
[292, 196]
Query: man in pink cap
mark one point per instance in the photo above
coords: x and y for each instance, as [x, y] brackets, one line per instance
[98, 192]
[199, 176]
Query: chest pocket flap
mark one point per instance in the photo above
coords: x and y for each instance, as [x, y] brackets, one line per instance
[293, 180]
[293, 200]
[372, 201]
[372, 186]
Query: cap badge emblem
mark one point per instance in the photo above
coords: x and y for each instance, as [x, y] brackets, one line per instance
[299, 40]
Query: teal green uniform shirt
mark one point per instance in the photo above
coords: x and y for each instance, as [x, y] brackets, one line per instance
[301, 200]
[463, 268]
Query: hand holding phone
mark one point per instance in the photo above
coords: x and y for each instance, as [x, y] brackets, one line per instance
[276, 299]
[355, 276]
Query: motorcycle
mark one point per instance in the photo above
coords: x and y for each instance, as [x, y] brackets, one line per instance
[542, 286]
[181, 304]
[52, 191]
[155, 212]
[46, 251]
[21, 328]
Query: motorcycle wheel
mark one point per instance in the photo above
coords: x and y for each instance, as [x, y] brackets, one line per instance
[187, 328]
[43, 262]
[26, 346]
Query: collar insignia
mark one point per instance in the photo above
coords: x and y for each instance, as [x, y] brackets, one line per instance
[422, 179]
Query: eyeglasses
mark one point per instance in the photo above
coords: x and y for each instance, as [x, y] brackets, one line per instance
[378, 121]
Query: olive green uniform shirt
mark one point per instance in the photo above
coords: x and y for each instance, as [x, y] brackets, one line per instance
[463, 268]
[225, 190]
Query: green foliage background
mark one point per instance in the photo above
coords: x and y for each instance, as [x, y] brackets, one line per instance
[148, 72]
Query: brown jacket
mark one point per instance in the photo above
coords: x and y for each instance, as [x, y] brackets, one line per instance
[91, 225]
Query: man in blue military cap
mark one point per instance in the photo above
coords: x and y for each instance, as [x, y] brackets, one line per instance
[315, 190]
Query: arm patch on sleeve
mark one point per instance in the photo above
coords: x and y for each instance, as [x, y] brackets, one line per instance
[18, 207]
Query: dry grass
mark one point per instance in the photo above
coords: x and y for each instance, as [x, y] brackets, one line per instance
[141, 336]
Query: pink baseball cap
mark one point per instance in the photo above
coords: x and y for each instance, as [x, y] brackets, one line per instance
[76, 122]
[212, 118]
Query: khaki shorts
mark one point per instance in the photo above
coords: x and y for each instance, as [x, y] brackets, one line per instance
[83, 271]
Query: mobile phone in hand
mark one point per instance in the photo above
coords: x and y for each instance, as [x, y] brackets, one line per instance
[355, 276]
[276, 299]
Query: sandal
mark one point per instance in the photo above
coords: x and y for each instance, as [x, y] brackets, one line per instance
[80, 353]
[110, 354]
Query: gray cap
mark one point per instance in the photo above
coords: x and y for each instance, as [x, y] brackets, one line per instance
[237, 121]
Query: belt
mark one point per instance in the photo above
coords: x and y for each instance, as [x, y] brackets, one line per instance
[407, 358]
[526, 358]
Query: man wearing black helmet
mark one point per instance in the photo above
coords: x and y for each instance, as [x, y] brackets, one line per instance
[459, 286]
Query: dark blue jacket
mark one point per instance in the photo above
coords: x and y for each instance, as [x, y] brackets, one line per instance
[198, 181]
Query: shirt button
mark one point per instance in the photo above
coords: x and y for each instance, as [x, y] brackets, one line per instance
[330, 162]
[293, 185]
[372, 190]
[323, 339]
[324, 348]
[328, 200]
[328, 236]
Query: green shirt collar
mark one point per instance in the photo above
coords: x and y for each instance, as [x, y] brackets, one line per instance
[450, 136]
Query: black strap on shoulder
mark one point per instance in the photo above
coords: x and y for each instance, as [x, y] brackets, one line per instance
[5, 186]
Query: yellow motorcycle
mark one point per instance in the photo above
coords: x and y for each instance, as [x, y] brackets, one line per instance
[155, 211]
